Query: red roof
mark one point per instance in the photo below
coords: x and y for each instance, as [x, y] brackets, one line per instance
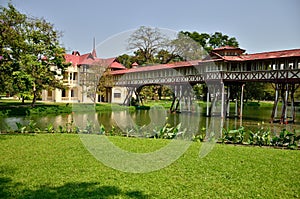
[247, 57]
[116, 65]
[157, 67]
[89, 59]
[273, 55]
[263, 55]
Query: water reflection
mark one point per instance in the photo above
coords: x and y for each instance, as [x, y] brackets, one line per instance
[195, 122]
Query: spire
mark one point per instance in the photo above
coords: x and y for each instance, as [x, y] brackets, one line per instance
[94, 48]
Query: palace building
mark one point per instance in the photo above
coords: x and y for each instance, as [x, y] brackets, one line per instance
[81, 77]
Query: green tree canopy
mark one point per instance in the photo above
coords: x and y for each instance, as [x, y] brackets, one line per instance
[211, 41]
[33, 59]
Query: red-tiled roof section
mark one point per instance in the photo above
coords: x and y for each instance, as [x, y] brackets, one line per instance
[263, 55]
[116, 65]
[89, 59]
[74, 59]
[272, 55]
[157, 67]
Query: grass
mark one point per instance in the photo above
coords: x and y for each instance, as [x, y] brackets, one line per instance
[14, 107]
[58, 166]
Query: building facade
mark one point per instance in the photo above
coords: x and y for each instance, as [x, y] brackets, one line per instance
[81, 79]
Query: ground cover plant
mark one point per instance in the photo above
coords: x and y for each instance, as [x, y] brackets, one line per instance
[58, 166]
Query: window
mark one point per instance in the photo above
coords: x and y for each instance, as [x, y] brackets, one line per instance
[72, 93]
[49, 93]
[63, 93]
[74, 76]
[117, 95]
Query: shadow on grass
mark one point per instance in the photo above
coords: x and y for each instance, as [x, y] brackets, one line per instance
[8, 189]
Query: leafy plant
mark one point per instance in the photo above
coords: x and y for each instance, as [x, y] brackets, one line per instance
[32, 127]
[50, 129]
[62, 129]
[20, 127]
[233, 136]
[89, 128]
[286, 138]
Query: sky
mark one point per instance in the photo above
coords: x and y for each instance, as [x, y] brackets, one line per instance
[258, 25]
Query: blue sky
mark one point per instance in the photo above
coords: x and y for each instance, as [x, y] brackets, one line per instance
[258, 25]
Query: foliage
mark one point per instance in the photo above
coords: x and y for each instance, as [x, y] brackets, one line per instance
[211, 41]
[233, 136]
[168, 132]
[286, 138]
[31, 54]
[186, 48]
[262, 137]
[151, 46]
[126, 60]
[200, 137]
[29, 128]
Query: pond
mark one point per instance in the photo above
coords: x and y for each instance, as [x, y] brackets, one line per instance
[155, 118]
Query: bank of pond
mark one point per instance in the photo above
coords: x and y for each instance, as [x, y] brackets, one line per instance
[242, 136]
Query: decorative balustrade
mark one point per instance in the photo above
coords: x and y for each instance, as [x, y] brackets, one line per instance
[244, 76]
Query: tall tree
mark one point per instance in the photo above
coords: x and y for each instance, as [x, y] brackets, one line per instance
[92, 79]
[11, 42]
[146, 42]
[35, 58]
[186, 48]
[211, 41]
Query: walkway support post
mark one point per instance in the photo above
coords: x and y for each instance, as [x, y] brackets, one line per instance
[207, 103]
[242, 101]
[222, 100]
[228, 102]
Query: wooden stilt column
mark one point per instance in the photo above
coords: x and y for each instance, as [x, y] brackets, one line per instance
[222, 100]
[284, 96]
[236, 108]
[228, 102]
[128, 97]
[242, 101]
[293, 108]
[275, 106]
[137, 92]
[216, 92]
[180, 97]
[207, 104]
[174, 99]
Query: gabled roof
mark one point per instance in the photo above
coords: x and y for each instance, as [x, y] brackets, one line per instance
[89, 59]
[116, 65]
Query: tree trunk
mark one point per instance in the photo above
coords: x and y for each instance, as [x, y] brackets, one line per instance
[34, 95]
[34, 99]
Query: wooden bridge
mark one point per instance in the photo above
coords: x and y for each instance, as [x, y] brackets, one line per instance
[221, 69]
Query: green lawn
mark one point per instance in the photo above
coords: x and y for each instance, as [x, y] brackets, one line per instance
[58, 166]
[14, 107]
